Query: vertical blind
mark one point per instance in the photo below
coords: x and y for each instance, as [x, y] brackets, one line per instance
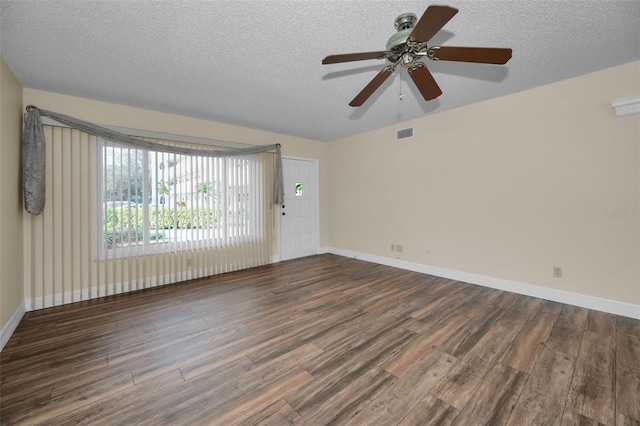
[120, 219]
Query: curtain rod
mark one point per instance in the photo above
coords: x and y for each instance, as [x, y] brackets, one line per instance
[162, 135]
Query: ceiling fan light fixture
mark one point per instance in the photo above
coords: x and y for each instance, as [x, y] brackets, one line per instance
[408, 60]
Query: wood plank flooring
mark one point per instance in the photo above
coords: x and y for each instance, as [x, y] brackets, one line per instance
[321, 340]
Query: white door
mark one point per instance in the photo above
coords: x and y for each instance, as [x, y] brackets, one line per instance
[299, 213]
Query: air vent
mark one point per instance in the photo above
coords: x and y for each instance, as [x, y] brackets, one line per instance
[404, 133]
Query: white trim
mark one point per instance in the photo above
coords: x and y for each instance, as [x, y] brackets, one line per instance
[11, 325]
[626, 106]
[576, 299]
[59, 299]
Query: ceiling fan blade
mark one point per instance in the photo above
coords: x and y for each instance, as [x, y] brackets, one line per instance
[371, 87]
[348, 57]
[431, 21]
[422, 77]
[484, 55]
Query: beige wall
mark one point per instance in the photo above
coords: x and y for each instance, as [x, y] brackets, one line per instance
[137, 118]
[11, 289]
[507, 188]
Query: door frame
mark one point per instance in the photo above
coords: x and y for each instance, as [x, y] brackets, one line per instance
[316, 227]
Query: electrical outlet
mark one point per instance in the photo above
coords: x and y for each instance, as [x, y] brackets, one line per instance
[399, 248]
[557, 271]
[393, 247]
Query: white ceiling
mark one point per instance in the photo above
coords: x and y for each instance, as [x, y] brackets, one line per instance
[258, 63]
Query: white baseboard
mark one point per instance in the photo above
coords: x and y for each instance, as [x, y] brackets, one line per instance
[58, 299]
[576, 299]
[321, 250]
[11, 325]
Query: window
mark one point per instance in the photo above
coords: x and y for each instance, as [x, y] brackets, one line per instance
[154, 202]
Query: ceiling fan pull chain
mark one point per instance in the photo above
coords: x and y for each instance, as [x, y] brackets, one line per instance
[400, 87]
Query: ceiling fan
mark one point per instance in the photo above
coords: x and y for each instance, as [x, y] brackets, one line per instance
[409, 45]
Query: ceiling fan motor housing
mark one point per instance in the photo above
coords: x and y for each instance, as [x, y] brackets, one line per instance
[397, 43]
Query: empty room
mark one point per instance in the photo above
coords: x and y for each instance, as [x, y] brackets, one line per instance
[319, 212]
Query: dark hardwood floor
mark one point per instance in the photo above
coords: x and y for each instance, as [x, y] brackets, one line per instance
[321, 340]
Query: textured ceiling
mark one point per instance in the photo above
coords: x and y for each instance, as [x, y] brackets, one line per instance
[258, 63]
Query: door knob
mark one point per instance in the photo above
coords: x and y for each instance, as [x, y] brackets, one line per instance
[284, 214]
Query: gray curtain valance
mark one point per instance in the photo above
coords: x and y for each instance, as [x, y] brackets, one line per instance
[34, 153]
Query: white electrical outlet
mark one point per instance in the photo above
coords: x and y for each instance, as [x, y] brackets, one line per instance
[399, 248]
[393, 247]
[557, 271]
